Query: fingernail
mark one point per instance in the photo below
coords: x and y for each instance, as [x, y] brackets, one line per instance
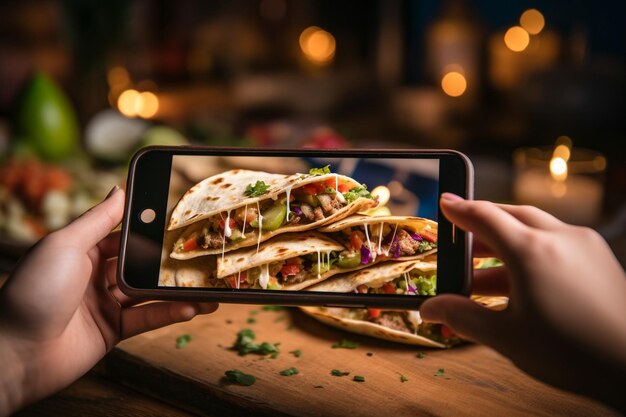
[451, 197]
[113, 191]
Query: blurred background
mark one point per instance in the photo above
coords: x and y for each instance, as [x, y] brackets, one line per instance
[532, 91]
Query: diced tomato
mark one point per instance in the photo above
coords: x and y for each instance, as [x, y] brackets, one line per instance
[309, 189]
[355, 240]
[344, 188]
[331, 183]
[290, 269]
[374, 313]
[429, 236]
[446, 332]
[388, 288]
[231, 223]
[190, 244]
[231, 280]
[291, 197]
[362, 288]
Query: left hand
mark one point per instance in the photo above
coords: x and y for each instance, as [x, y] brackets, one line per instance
[61, 310]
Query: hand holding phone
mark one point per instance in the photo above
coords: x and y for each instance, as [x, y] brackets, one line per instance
[294, 227]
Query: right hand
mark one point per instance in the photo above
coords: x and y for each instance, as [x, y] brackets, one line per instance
[566, 319]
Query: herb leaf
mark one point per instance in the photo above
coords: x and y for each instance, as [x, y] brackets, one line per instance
[237, 377]
[245, 344]
[272, 308]
[440, 372]
[421, 355]
[346, 344]
[337, 372]
[320, 171]
[358, 378]
[251, 320]
[403, 378]
[256, 190]
[181, 341]
[357, 192]
[289, 372]
[297, 353]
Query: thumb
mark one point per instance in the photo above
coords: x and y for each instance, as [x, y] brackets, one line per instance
[96, 223]
[465, 317]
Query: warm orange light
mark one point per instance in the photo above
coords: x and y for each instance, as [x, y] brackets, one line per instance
[558, 168]
[516, 39]
[118, 77]
[453, 84]
[532, 21]
[149, 105]
[129, 102]
[317, 45]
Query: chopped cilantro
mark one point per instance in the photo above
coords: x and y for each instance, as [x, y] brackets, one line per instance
[238, 377]
[337, 372]
[357, 192]
[346, 344]
[256, 190]
[297, 353]
[403, 378]
[427, 285]
[320, 171]
[251, 320]
[440, 372]
[289, 372]
[274, 355]
[181, 341]
[245, 344]
[421, 355]
[358, 378]
[272, 308]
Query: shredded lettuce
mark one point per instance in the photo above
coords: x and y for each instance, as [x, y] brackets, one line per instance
[427, 285]
[357, 192]
[320, 171]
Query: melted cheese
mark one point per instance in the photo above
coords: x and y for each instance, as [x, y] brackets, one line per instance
[391, 241]
[369, 243]
[260, 221]
[264, 276]
[340, 196]
[380, 238]
[288, 191]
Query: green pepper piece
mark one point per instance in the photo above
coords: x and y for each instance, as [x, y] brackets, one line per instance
[349, 259]
[273, 217]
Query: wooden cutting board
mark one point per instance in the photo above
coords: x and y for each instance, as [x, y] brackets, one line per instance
[475, 379]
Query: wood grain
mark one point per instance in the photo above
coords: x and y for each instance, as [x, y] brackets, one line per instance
[476, 380]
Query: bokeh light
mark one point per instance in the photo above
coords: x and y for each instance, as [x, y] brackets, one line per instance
[516, 39]
[149, 105]
[317, 45]
[132, 103]
[558, 168]
[532, 21]
[454, 84]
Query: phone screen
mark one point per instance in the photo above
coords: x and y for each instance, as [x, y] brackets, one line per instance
[347, 225]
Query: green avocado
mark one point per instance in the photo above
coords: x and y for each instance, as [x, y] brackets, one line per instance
[46, 119]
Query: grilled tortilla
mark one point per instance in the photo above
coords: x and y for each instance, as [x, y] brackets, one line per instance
[241, 208]
[396, 326]
[387, 237]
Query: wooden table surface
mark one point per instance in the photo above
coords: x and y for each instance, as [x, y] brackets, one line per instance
[476, 380]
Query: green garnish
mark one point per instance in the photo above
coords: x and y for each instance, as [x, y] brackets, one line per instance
[289, 372]
[440, 372]
[251, 320]
[421, 355]
[426, 246]
[337, 372]
[274, 355]
[297, 353]
[358, 378]
[245, 344]
[329, 190]
[272, 308]
[403, 378]
[346, 344]
[320, 171]
[491, 263]
[357, 192]
[237, 377]
[427, 285]
[257, 189]
[181, 341]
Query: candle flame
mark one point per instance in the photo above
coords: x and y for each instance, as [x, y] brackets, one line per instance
[558, 169]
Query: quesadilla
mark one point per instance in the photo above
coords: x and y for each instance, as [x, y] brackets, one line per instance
[388, 237]
[285, 262]
[241, 208]
[396, 326]
[403, 278]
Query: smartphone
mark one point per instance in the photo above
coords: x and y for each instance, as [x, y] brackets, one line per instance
[344, 228]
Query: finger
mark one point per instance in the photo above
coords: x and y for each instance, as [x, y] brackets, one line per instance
[110, 245]
[95, 224]
[464, 317]
[491, 281]
[480, 248]
[152, 316]
[532, 216]
[495, 227]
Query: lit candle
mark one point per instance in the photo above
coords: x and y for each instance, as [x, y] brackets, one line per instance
[568, 187]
